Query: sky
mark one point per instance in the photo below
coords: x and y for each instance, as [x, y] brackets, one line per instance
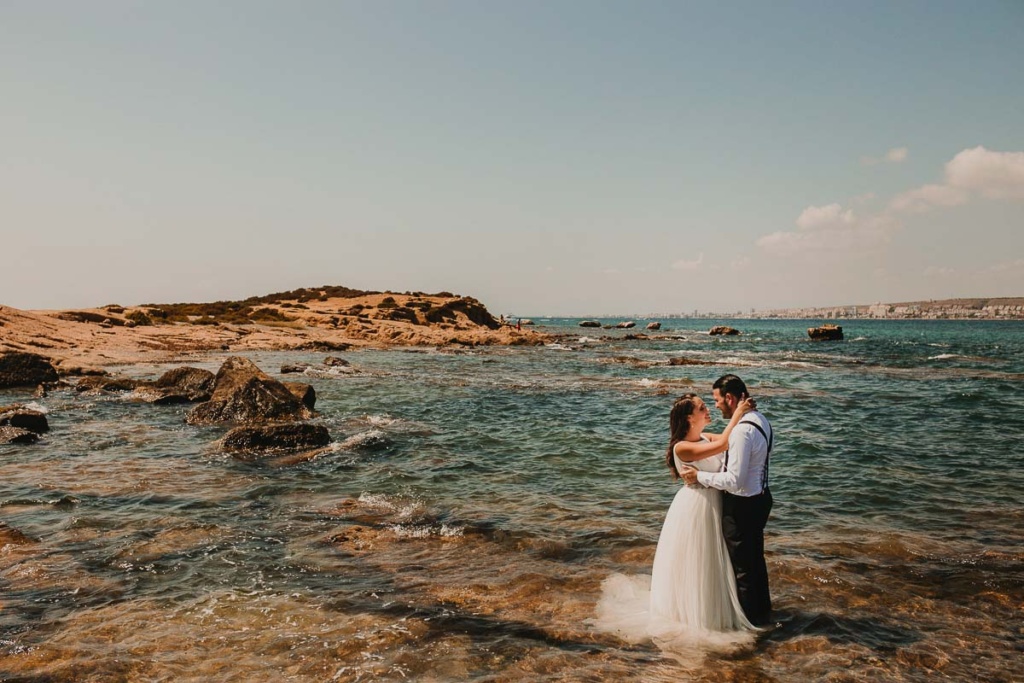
[556, 157]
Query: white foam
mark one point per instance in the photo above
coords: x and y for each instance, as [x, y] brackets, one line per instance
[419, 531]
[386, 503]
[945, 356]
[380, 420]
[36, 407]
[371, 438]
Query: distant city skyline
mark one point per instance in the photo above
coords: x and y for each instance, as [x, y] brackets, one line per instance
[555, 159]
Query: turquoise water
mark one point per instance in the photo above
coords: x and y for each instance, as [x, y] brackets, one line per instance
[475, 499]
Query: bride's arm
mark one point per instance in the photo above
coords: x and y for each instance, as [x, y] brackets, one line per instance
[688, 451]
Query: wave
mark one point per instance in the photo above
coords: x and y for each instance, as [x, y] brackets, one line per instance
[945, 356]
[427, 530]
[372, 439]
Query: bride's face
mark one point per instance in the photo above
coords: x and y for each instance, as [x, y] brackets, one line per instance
[701, 414]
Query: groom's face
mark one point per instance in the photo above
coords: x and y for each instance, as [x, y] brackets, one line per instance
[723, 403]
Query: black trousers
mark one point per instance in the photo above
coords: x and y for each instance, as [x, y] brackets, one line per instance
[743, 522]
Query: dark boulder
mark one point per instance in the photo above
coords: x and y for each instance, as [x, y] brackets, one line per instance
[24, 418]
[17, 435]
[654, 326]
[96, 384]
[19, 369]
[723, 330]
[827, 332]
[184, 385]
[589, 323]
[625, 325]
[244, 393]
[295, 368]
[276, 438]
[304, 392]
[475, 311]
[334, 361]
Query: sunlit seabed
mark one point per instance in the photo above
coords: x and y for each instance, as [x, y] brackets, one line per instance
[473, 502]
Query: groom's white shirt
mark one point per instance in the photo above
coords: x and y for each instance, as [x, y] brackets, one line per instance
[748, 454]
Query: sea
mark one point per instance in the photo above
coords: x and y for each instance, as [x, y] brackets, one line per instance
[475, 499]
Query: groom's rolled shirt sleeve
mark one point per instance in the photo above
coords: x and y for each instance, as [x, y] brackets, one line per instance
[738, 461]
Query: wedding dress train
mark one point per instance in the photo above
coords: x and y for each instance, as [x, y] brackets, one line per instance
[690, 597]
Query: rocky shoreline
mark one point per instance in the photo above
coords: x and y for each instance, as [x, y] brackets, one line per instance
[90, 341]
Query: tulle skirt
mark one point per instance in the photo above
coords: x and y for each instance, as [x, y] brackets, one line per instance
[690, 597]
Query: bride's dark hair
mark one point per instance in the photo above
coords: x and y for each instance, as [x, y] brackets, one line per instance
[678, 426]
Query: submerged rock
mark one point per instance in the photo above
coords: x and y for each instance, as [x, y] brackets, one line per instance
[24, 418]
[96, 384]
[276, 438]
[17, 435]
[295, 368]
[244, 393]
[11, 536]
[20, 369]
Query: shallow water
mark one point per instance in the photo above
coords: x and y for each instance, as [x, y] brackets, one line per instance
[473, 502]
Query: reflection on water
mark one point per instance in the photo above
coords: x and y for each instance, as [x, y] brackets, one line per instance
[472, 504]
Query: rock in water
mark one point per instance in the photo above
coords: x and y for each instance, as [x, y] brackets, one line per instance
[276, 438]
[244, 393]
[17, 435]
[304, 392]
[185, 385]
[827, 332]
[19, 369]
[23, 418]
[723, 330]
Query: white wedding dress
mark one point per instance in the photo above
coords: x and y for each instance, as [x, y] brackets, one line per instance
[690, 597]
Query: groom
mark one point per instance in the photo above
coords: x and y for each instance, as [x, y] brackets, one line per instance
[746, 500]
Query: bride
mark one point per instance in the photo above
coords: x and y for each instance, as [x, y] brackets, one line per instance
[691, 596]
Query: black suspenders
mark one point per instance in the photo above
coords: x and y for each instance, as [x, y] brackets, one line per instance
[769, 439]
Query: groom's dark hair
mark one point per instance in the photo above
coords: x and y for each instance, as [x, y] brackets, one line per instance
[731, 384]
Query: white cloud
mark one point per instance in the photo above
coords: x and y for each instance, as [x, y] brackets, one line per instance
[689, 265]
[977, 171]
[927, 197]
[997, 175]
[830, 228]
[742, 263]
[824, 217]
[896, 155]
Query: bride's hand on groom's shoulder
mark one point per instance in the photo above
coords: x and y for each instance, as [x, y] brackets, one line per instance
[747, 405]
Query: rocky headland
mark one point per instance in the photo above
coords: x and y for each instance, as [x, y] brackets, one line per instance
[88, 341]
